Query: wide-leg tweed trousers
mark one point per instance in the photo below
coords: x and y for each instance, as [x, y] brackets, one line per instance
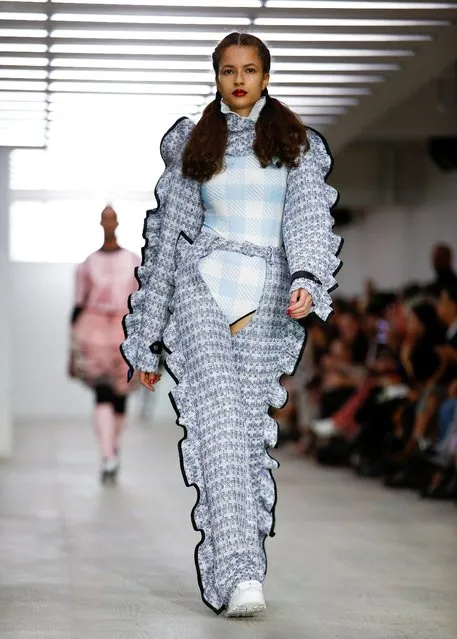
[225, 387]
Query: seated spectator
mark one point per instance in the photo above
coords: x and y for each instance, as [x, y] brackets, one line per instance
[447, 311]
[442, 480]
[338, 378]
[441, 462]
[445, 275]
[305, 390]
[341, 429]
[352, 335]
[378, 389]
[424, 333]
[372, 421]
[342, 368]
[422, 368]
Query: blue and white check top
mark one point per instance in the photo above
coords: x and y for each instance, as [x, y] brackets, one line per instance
[244, 203]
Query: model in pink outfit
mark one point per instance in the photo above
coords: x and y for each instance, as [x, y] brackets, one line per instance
[104, 282]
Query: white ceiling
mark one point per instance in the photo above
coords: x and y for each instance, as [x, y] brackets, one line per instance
[341, 65]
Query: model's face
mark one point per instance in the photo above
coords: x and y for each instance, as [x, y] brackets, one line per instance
[241, 79]
[109, 220]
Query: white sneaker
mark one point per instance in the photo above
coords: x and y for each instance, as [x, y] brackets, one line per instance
[110, 465]
[247, 600]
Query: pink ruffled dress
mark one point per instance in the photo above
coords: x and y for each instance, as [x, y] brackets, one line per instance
[104, 282]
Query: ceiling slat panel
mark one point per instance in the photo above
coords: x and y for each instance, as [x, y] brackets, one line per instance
[63, 61]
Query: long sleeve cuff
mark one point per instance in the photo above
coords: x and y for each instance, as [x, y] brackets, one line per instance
[321, 299]
[308, 285]
[140, 358]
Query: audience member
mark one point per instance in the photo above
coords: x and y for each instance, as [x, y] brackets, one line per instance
[378, 389]
[442, 264]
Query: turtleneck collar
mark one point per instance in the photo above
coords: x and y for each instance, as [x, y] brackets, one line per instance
[241, 130]
[255, 111]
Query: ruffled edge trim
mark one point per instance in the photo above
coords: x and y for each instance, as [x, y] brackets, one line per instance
[218, 611]
[124, 347]
[179, 422]
[278, 381]
[287, 365]
[341, 239]
[188, 484]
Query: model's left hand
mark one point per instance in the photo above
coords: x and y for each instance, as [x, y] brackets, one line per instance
[300, 304]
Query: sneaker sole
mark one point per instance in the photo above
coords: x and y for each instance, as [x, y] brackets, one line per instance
[246, 610]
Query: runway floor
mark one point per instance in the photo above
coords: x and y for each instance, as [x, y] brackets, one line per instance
[77, 561]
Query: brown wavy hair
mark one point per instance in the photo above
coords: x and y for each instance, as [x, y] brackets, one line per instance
[280, 134]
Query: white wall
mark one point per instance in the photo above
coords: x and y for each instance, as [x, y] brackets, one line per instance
[42, 300]
[435, 219]
[5, 316]
[429, 109]
[391, 246]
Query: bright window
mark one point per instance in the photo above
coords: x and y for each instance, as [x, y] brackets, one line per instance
[59, 193]
[68, 230]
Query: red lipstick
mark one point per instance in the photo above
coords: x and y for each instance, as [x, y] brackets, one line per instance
[239, 93]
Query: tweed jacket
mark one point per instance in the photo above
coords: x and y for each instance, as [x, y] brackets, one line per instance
[310, 245]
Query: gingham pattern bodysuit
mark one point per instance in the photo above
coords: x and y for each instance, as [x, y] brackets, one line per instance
[244, 203]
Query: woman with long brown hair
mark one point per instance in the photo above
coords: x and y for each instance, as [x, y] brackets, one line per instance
[239, 248]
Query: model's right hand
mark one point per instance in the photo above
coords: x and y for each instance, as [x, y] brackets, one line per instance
[149, 379]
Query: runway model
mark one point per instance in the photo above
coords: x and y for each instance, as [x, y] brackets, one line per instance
[239, 249]
[104, 282]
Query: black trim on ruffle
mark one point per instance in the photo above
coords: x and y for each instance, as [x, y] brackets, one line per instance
[305, 275]
[312, 316]
[218, 611]
[154, 211]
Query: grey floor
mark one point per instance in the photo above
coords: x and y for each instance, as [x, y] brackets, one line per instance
[350, 560]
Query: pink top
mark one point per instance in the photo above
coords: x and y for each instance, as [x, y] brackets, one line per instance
[105, 280]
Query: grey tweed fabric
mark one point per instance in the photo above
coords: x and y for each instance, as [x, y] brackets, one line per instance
[226, 384]
[179, 210]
